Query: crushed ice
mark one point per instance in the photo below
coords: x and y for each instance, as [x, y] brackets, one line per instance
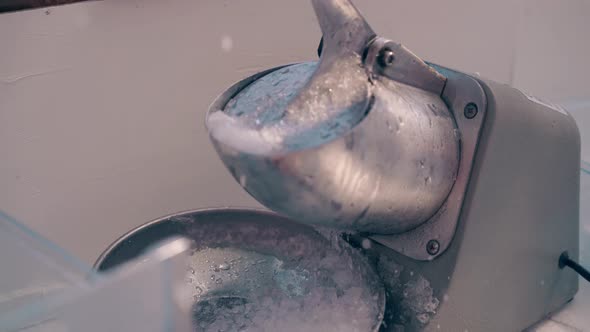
[280, 277]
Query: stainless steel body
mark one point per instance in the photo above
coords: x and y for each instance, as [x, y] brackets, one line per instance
[462, 94]
[521, 212]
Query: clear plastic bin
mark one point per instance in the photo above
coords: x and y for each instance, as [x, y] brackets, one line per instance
[43, 288]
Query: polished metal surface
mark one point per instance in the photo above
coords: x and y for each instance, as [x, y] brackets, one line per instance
[337, 143]
[259, 271]
[461, 91]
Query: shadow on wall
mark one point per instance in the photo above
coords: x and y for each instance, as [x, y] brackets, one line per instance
[14, 5]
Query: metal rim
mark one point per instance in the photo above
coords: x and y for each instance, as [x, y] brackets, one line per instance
[100, 260]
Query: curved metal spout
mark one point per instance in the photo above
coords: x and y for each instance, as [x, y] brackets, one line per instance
[343, 27]
[333, 94]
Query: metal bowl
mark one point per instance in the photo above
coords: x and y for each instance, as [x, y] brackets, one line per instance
[256, 270]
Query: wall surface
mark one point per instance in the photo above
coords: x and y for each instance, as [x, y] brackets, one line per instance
[102, 104]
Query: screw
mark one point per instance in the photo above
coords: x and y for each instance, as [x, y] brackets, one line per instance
[432, 247]
[470, 110]
[386, 57]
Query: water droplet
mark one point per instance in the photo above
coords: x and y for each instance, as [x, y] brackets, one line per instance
[366, 243]
[421, 163]
[198, 290]
[224, 266]
[219, 281]
[191, 270]
[227, 43]
[212, 277]
[216, 269]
